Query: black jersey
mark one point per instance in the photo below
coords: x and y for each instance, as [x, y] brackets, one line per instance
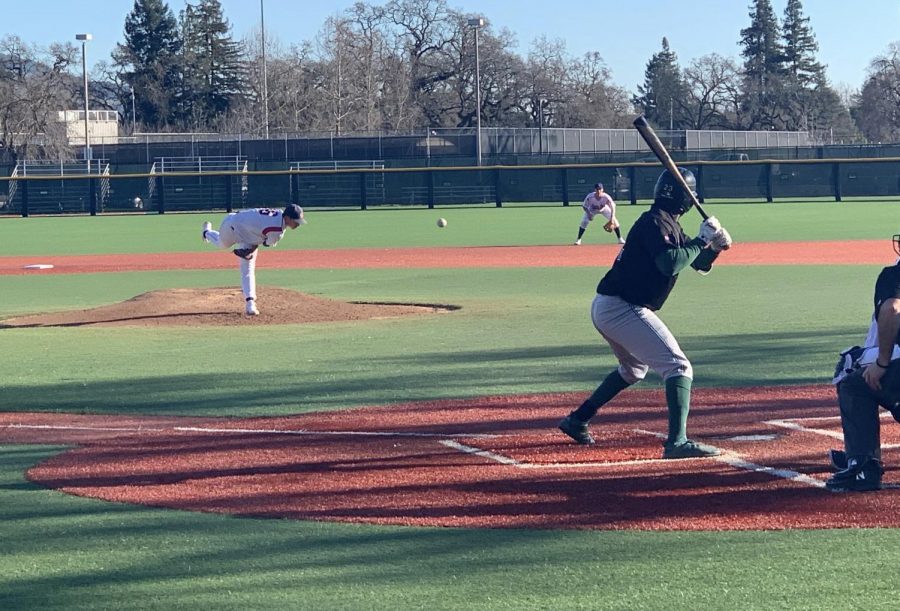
[887, 287]
[634, 275]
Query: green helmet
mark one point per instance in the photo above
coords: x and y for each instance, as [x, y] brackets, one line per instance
[670, 196]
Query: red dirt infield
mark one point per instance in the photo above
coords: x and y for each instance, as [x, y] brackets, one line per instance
[854, 252]
[493, 462]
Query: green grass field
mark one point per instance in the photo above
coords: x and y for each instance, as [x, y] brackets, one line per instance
[520, 331]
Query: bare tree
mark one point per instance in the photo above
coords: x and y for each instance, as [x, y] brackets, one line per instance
[878, 111]
[546, 75]
[595, 100]
[425, 31]
[35, 85]
[336, 80]
[712, 82]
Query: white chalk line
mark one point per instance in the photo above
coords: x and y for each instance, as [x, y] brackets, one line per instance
[506, 460]
[793, 424]
[729, 458]
[213, 430]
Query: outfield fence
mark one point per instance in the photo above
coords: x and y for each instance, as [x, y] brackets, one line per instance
[228, 184]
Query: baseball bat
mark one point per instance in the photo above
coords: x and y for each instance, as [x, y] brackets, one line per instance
[652, 140]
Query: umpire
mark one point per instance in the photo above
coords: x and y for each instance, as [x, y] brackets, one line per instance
[624, 311]
[872, 382]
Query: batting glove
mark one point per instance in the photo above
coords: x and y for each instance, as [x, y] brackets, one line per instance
[709, 228]
[721, 240]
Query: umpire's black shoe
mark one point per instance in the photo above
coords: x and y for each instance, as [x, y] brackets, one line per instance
[861, 475]
[839, 460]
[577, 430]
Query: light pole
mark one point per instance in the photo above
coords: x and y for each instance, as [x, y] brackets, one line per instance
[133, 114]
[477, 23]
[84, 38]
[541, 125]
[262, 28]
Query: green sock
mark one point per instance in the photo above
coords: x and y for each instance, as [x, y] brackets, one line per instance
[609, 388]
[678, 400]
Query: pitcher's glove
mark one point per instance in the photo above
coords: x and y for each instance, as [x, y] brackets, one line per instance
[611, 225]
[245, 253]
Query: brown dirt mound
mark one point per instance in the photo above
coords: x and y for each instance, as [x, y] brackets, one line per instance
[221, 306]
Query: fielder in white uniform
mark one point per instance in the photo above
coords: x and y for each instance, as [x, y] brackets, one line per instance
[599, 202]
[247, 230]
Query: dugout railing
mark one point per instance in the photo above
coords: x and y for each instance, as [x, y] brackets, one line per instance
[364, 187]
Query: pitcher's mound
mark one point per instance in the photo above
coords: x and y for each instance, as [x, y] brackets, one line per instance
[222, 306]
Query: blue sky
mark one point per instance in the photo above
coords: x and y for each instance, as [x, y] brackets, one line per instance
[625, 34]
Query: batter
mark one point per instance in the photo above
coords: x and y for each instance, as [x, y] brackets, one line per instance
[624, 312]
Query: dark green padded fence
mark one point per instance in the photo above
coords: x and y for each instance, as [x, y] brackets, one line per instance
[768, 180]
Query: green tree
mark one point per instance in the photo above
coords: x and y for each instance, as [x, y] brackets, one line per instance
[212, 65]
[662, 96]
[800, 48]
[763, 67]
[809, 102]
[146, 62]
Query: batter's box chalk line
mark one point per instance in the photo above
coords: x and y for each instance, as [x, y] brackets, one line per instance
[245, 431]
[729, 458]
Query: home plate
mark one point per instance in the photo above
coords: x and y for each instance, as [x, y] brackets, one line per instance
[38, 266]
[753, 438]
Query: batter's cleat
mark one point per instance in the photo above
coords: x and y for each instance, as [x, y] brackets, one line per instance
[577, 430]
[861, 475]
[252, 310]
[621, 240]
[689, 449]
[206, 227]
[577, 242]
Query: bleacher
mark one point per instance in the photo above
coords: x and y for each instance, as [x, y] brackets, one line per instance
[188, 180]
[53, 193]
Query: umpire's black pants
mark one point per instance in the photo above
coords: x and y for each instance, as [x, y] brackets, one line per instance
[859, 410]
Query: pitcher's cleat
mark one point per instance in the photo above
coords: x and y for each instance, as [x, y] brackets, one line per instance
[252, 310]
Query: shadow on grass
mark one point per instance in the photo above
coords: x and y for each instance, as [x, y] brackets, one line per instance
[762, 359]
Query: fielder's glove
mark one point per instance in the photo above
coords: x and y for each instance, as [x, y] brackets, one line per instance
[709, 228]
[245, 253]
[611, 225]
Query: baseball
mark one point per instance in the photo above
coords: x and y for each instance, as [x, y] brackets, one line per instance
[442, 222]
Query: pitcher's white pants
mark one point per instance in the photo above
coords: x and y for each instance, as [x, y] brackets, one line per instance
[225, 238]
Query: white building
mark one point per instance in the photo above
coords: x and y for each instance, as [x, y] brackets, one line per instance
[102, 125]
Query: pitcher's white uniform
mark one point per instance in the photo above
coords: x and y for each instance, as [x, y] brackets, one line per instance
[248, 229]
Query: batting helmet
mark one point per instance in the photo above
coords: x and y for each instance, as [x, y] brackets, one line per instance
[293, 211]
[669, 195]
